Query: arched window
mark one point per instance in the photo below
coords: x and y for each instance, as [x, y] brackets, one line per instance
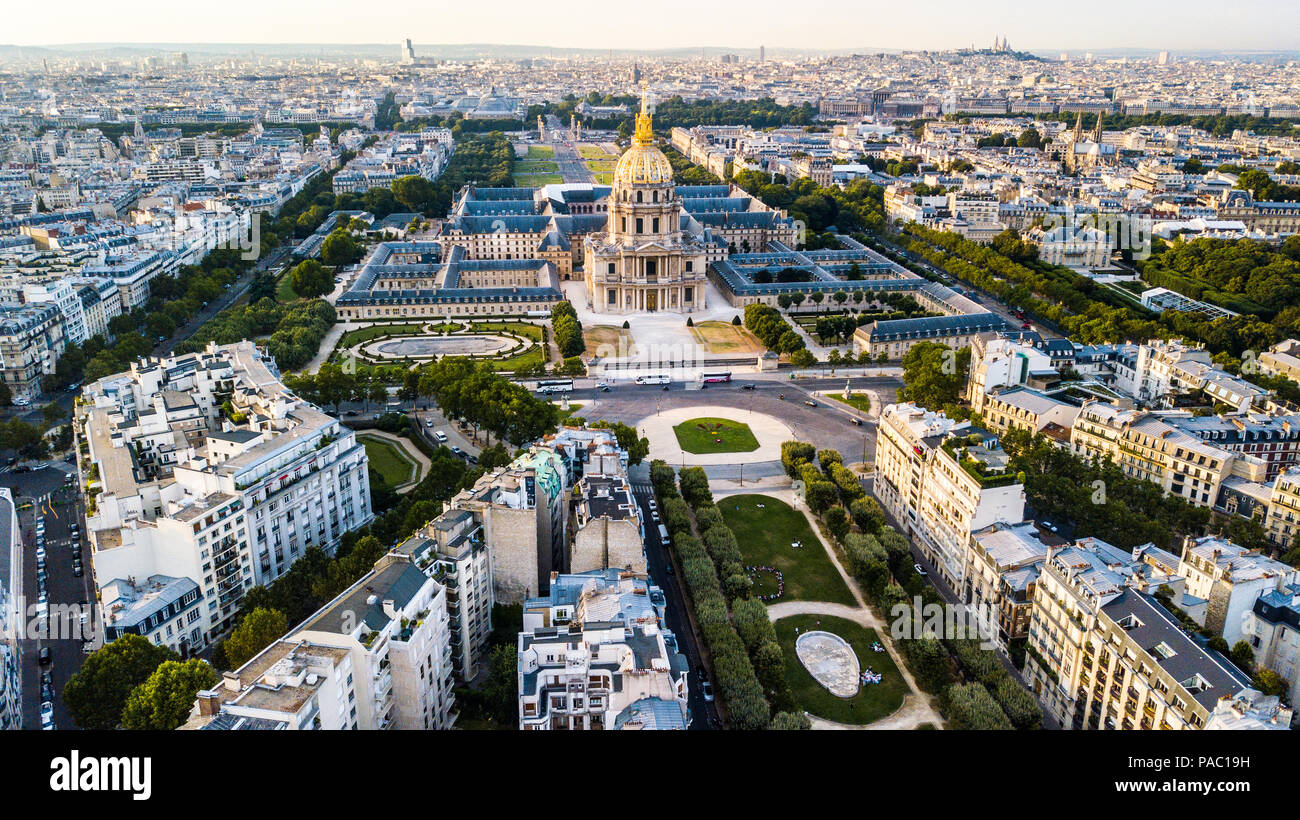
[638, 196]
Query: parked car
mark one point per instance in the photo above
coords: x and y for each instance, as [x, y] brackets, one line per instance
[856, 420]
[810, 402]
[747, 387]
[44, 656]
[428, 422]
[706, 690]
[920, 570]
[440, 436]
[601, 385]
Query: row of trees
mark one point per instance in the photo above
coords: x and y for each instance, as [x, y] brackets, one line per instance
[714, 573]
[1243, 275]
[772, 329]
[859, 206]
[296, 329]
[567, 329]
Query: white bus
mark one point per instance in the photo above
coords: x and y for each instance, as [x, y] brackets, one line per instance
[715, 376]
[555, 386]
[653, 379]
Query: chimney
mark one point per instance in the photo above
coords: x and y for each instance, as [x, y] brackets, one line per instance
[209, 702]
[390, 609]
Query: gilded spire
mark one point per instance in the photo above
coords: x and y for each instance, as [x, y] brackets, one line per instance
[644, 134]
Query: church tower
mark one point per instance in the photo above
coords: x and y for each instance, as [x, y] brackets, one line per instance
[1096, 134]
[1078, 128]
[643, 262]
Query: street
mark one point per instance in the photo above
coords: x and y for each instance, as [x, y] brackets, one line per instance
[44, 494]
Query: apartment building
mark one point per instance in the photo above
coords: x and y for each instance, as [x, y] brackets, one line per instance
[1146, 447]
[997, 362]
[941, 481]
[594, 654]
[607, 528]
[203, 469]
[1022, 408]
[1272, 628]
[378, 656]
[1230, 578]
[1104, 654]
[1003, 563]
[894, 337]
[452, 550]
[31, 340]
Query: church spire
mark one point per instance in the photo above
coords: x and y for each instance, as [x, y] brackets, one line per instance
[644, 134]
[1078, 128]
[1096, 135]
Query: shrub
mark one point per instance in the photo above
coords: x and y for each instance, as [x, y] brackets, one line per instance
[837, 521]
[969, 706]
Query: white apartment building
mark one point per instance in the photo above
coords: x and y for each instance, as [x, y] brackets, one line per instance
[997, 362]
[1104, 654]
[594, 654]
[31, 340]
[453, 551]
[1272, 628]
[11, 678]
[942, 481]
[202, 468]
[376, 657]
[1230, 578]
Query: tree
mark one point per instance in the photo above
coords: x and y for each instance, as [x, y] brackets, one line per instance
[970, 706]
[339, 248]
[255, 632]
[414, 192]
[934, 375]
[310, 279]
[500, 691]
[1243, 656]
[1030, 138]
[163, 702]
[1269, 682]
[97, 693]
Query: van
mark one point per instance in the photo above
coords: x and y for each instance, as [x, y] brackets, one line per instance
[441, 437]
[663, 535]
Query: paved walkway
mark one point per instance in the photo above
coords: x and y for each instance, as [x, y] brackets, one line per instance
[917, 707]
[658, 427]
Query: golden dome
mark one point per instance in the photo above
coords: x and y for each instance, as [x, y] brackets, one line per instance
[643, 163]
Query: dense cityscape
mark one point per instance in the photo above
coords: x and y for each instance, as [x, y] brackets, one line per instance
[498, 388]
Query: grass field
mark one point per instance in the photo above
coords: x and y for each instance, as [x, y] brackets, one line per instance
[871, 703]
[365, 334]
[715, 435]
[395, 466]
[284, 291]
[533, 355]
[605, 179]
[594, 152]
[765, 535]
[598, 336]
[536, 167]
[537, 180]
[858, 401]
[540, 152]
[724, 337]
[525, 329]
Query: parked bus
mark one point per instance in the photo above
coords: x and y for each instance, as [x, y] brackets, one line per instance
[555, 385]
[715, 376]
[655, 379]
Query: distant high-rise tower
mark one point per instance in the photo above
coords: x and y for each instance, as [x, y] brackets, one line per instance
[762, 54]
[1163, 59]
[636, 74]
[408, 53]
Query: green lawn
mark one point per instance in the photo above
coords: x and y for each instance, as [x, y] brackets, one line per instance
[284, 291]
[537, 180]
[715, 435]
[539, 167]
[387, 458]
[525, 329]
[765, 535]
[871, 703]
[858, 401]
[540, 152]
[365, 334]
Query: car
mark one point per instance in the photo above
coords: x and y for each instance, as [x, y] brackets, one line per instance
[42, 597]
[87, 647]
[747, 387]
[654, 505]
[810, 402]
[600, 385]
[654, 516]
[47, 723]
[352, 412]
[47, 677]
[706, 690]
[670, 570]
[44, 656]
[47, 710]
[428, 422]
[456, 451]
[920, 570]
[857, 421]
[440, 436]
[1026, 326]
[47, 691]
[40, 553]
[77, 570]
[605, 389]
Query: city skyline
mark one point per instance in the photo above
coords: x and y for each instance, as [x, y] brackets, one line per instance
[947, 24]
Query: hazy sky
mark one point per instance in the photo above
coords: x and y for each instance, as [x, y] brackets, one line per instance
[934, 24]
